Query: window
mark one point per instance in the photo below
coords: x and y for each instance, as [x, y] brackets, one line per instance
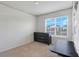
[56, 26]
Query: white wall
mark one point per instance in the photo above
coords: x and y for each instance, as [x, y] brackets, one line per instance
[16, 28]
[41, 20]
[76, 35]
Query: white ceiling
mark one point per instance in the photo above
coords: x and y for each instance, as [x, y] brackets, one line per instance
[37, 9]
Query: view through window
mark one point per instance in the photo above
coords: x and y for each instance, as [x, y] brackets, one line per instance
[57, 25]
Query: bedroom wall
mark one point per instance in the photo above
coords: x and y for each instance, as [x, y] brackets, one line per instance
[41, 20]
[16, 28]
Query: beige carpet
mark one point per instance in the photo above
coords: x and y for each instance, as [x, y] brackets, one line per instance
[34, 49]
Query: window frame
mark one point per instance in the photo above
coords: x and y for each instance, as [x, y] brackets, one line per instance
[64, 36]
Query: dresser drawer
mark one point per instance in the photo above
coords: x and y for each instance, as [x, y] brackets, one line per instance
[42, 37]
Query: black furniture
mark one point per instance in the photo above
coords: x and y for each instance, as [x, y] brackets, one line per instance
[64, 48]
[42, 37]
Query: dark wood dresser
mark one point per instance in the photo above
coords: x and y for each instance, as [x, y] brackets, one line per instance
[42, 37]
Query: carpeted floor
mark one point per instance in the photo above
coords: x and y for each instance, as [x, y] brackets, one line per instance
[34, 49]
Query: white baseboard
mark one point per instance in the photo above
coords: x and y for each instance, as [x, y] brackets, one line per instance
[17, 45]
